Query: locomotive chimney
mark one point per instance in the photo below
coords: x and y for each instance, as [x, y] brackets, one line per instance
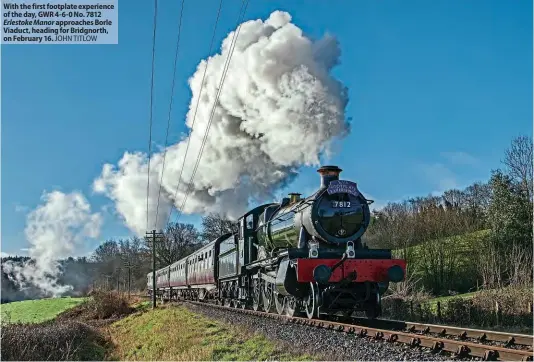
[294, 197]
[328, 173]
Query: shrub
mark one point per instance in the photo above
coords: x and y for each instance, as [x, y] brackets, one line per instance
[109, 304]
[101, 305]
[53, 340]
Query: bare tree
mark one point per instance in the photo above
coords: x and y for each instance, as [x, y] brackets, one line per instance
[215, 225]
[180, 240]
[518, 161]
[107, 259]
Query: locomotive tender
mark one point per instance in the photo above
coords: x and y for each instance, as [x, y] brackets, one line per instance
[298, 256]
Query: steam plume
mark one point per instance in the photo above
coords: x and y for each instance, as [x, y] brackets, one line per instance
[54, 229]
[279, 109]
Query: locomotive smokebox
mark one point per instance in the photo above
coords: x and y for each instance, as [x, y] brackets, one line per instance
[328, 173]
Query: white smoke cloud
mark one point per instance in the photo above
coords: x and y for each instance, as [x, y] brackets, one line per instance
[54, 230]
[279, 109]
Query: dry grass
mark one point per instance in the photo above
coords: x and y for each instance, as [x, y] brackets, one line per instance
[180, 335]
[473, 310]
[51, 341]
[100, 306]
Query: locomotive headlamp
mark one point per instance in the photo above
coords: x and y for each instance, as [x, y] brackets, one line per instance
[350, 250]
[395, 274]
[322, 273]
[314, 249]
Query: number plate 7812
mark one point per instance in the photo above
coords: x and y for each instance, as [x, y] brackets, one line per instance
[344, 204]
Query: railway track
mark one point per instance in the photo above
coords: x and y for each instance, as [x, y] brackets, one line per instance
[461, 342]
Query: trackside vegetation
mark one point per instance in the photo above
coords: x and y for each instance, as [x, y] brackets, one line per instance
[175, 333]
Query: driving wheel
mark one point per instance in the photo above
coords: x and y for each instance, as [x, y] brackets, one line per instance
[267, 296]
[279, 301]
[311, 302]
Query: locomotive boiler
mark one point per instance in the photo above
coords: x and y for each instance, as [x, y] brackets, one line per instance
[302, 255]
[333, 216]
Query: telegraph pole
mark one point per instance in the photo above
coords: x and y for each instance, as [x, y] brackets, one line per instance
[118, 279]
[128, 266]
[107, 280]
[154, 237]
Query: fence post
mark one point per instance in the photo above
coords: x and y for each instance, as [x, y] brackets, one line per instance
[469, 304]
[439, 312]
[498, 313]
[411, 310]
[420, 309]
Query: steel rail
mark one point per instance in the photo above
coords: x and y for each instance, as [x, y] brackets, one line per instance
[508, 339]
[459, 348]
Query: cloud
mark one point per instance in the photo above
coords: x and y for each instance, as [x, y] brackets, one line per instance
[279, 109]
[55, 229]
[440, 176]
[460, 158]
[377, 204]
[4, 255]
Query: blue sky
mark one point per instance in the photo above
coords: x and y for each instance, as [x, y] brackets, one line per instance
[437, 91]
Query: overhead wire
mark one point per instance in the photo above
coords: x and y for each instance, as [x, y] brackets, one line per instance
[170, 110]
[244, 6]
[151, 106]
[196, 108]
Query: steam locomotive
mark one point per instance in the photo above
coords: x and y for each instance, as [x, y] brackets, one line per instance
[300, 256]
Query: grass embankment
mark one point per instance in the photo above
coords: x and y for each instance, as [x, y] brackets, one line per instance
[177, 334]
[38, 310]
[49, 329]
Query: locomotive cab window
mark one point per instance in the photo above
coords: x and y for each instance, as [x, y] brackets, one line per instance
[250, 222]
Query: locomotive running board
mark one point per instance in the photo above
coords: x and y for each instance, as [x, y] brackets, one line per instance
[262, 263]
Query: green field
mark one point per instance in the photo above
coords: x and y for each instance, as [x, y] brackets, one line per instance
[462, 245]
[38, 310]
